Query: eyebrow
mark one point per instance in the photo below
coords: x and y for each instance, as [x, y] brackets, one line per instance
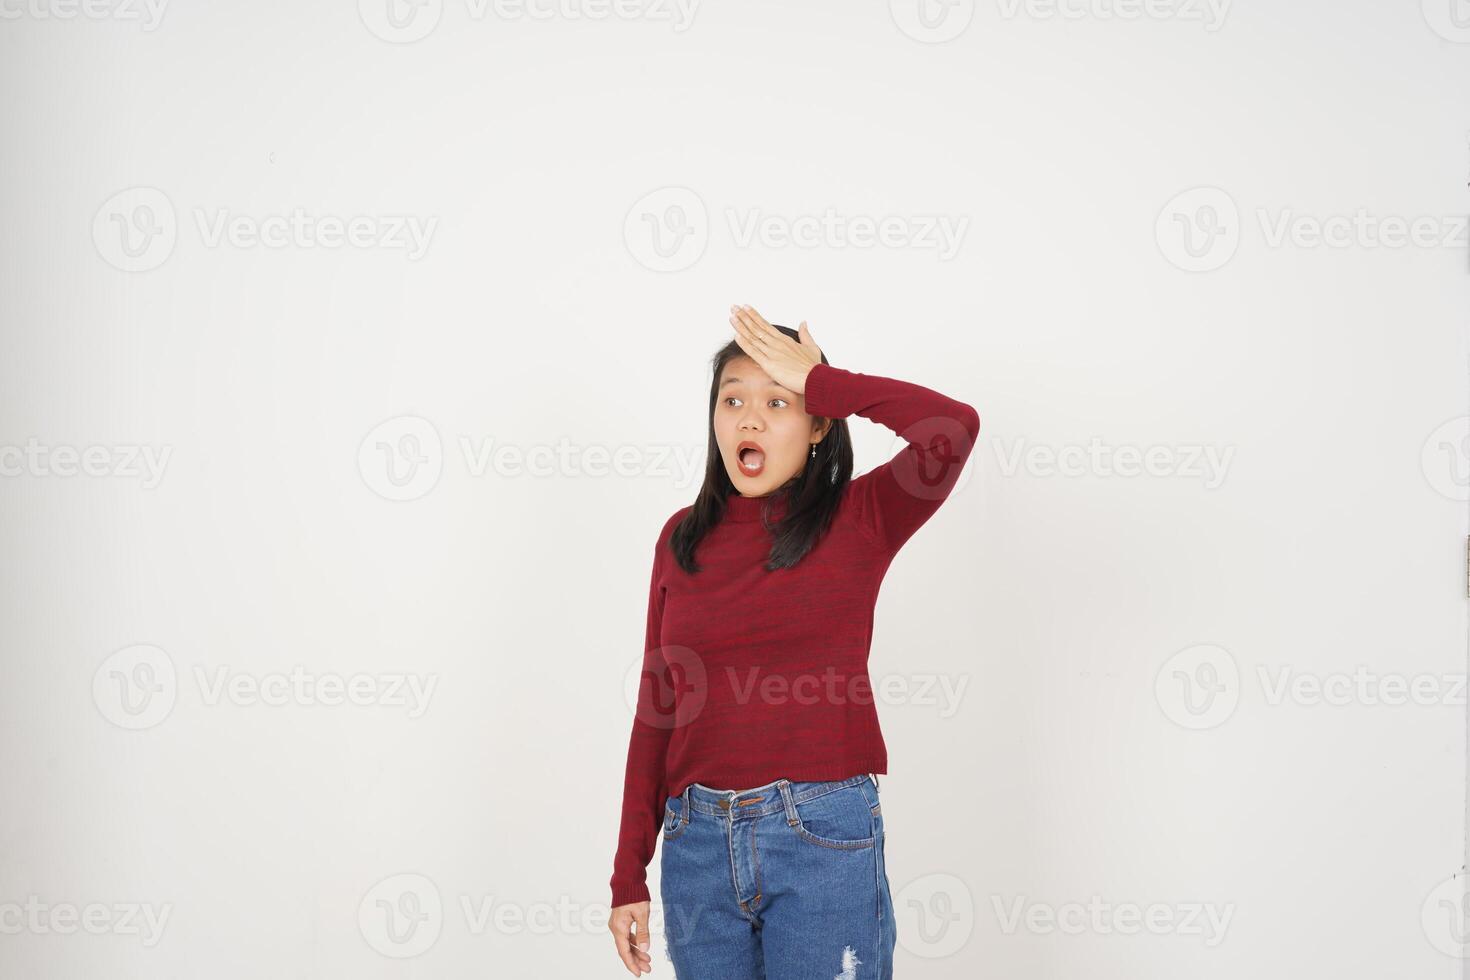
[734, 380]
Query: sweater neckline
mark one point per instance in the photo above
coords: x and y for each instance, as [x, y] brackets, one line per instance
[739, 508]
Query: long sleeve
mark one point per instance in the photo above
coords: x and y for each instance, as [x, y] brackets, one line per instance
[644, 782]
[894, 500]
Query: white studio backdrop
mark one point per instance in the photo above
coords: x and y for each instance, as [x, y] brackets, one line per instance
[353, 356]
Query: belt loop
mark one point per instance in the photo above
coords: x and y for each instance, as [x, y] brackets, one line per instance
[785, 786]
[685, 795]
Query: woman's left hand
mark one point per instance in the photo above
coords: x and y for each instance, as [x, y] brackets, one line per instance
[784, 359]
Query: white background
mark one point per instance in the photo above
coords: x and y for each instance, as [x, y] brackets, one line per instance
[1081, 612]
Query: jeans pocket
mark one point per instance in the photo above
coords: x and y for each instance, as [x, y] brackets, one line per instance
[848, 818]
[674, 820]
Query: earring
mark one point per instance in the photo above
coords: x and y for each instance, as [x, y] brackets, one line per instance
[814, 450]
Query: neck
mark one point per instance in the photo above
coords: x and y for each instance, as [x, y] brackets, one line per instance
[739, 508]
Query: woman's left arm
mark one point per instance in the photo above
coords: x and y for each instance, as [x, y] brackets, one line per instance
[894, 500]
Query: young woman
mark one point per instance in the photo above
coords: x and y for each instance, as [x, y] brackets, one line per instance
[755, 746]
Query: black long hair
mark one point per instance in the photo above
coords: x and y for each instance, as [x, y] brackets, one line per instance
[810, 497]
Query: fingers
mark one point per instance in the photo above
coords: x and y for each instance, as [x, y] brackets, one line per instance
[741, 317]
[632, 949]
[749, 342]
[761, 321]
[644, 947]
[744, 326]
[756, 324]
[759, 339]
[805, 336]
[621, 937]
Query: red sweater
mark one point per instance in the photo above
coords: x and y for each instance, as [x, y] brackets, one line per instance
[751, 676]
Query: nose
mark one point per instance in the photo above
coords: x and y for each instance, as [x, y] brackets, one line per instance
[751, 419]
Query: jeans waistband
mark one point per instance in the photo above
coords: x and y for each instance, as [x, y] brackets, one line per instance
[761, 800]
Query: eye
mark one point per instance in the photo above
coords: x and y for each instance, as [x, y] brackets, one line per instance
[783, 402]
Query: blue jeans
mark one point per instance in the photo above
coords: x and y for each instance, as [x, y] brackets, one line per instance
[783, 882]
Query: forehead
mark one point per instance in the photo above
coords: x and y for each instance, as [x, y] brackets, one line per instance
[744, 372]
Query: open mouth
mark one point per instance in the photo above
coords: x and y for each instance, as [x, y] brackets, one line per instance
[752, 458]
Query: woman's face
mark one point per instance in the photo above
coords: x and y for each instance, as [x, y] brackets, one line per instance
[762, 428]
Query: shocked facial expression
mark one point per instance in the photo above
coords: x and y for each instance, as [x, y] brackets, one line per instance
[762, 428]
